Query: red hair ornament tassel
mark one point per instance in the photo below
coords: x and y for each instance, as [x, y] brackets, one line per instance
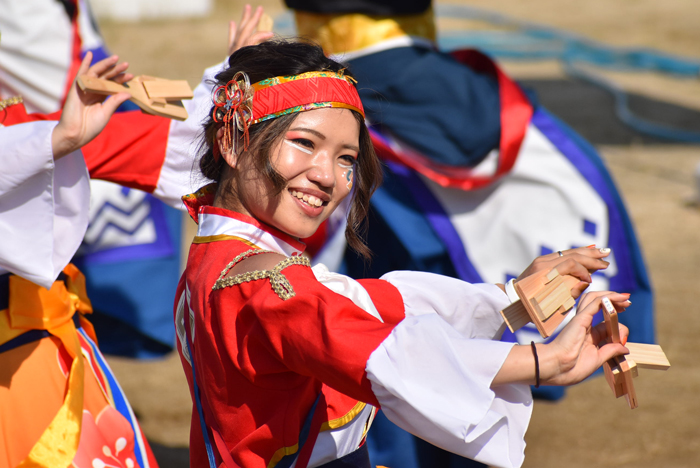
[233, 103]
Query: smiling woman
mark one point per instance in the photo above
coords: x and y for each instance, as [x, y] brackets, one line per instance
[319, 132]
[315, 157]
[287, 363]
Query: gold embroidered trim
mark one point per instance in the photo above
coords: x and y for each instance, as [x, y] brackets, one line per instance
[343, 420]
[280, 284]
[327, 426]
[5, 103]
[222, 237]
[281, 453]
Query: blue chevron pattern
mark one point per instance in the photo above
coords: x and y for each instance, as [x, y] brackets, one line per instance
[118, 218]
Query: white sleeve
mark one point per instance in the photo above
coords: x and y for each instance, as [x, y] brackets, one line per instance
[43, 206]
[180, 174]
[432, 375]
[472, 309]
[24, 153]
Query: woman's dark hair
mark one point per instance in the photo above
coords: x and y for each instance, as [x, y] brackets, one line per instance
[282, 58]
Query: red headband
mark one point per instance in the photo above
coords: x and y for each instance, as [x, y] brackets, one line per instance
[248, 104]
[283, 95]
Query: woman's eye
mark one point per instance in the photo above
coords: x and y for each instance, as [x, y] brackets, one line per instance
[301, 144]
[304, 142]
[348, 160]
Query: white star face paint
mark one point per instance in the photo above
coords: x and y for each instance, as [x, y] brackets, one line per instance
[300, 148]
[348, 174]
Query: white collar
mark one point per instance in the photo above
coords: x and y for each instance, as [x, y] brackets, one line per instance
[214, 222]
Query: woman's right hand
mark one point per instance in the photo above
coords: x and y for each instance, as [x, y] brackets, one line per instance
[580, 349]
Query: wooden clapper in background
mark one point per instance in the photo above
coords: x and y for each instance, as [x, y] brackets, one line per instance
[153, 95]
[545, 299]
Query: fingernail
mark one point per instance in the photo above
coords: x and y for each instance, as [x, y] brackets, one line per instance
[604, 250]
[624, 341]
[592, 246]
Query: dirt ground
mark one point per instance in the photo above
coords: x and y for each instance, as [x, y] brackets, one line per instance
[589, 427]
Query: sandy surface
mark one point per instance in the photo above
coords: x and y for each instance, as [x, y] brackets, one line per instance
[589, 427]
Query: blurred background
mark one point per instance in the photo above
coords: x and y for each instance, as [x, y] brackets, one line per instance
[642, 112]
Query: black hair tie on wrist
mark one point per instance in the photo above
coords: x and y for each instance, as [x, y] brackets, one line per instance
[537, 365]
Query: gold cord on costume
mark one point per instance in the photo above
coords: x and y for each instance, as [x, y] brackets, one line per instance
[5, 103]
[280, 284]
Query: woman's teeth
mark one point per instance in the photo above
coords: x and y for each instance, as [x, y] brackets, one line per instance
[308, 199]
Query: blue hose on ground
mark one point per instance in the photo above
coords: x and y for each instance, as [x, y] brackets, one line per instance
[530, 41]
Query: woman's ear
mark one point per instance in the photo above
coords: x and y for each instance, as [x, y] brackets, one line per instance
[225, 149]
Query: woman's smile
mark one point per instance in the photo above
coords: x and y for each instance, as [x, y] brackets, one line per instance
[308, 199]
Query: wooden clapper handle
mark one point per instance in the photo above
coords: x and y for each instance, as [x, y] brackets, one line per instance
[153, 95]
[100, 86]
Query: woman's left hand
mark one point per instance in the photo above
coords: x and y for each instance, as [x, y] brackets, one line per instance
[579, 262]
[580, 348]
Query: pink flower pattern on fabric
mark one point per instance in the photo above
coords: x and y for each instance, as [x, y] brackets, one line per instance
[106, 441]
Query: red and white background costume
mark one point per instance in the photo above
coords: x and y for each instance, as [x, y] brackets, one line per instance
[136, 150]
[44, 215]
[130, 233]
[418, 345]
[44, 212]
[40, 50]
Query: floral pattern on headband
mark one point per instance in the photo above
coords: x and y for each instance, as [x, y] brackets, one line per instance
[303, 76]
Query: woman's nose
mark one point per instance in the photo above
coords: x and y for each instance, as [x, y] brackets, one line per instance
[321, 170]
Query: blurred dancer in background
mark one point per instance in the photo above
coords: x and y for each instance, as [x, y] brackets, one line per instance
[59, 402]
[130, 253]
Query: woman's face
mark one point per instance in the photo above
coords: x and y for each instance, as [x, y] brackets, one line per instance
[317, 157]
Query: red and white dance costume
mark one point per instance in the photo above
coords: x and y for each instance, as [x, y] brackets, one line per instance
[417, 344]
[137, 150]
